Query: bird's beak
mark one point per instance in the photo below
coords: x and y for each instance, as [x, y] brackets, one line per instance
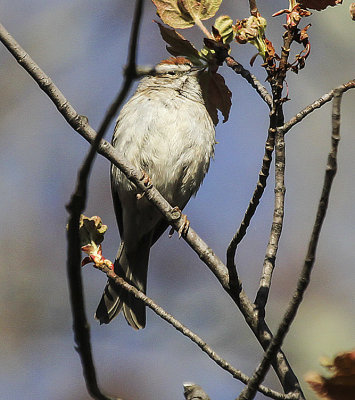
[196, 70]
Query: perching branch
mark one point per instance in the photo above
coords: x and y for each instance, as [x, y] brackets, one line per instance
[80, 124]
[304, 278]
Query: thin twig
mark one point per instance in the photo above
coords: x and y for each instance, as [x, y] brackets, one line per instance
[252, 79]
[277, 223]
[316, 104]
[202, 27]
[237, 374]
[276, 120]
[80, 124]
[75, 207]
[304, 278]
[253, 8]
[264, 172]
[253, 204]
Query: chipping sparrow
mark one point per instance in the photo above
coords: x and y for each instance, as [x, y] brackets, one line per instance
[165, 130]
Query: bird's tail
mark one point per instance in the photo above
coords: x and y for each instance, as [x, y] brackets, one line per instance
[133, 269]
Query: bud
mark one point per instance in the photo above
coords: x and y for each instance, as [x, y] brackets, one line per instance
[352, 11]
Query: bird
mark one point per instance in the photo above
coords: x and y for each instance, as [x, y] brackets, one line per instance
[165, 130]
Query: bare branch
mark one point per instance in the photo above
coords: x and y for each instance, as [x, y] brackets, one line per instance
[80, 124]
[304, 278]
[277, 222]
[252, 79]
[237, 374]
[316, 104]
[194, 392]
[253, 8]
[253, 204]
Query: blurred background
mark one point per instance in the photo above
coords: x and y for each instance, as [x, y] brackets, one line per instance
[82, 45]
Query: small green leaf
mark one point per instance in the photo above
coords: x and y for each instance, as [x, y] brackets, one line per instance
[224, 25]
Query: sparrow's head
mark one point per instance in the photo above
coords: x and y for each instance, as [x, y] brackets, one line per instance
[175, 73]
[175, 67]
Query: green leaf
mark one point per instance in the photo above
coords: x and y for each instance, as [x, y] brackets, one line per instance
[224, 25]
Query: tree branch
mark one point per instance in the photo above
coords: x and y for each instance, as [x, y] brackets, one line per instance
[80, 124]
[75, 208]
[253, 204]
[253, 8]
[252, 79]
[316, 104]
[277, 223]
[304, 278]
[237, 374]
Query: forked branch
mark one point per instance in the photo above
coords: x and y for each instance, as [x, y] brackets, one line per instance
[304, 278]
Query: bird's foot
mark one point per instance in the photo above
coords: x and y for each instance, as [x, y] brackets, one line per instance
[184, 227]
[147, 183]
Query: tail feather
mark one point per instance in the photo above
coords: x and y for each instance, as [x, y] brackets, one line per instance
[133, 269]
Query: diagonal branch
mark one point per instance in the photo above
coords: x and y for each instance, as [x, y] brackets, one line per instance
[253, 204]
[304, 278]
[80, 124]
[316, 104]
[237, 374]
[252, 79]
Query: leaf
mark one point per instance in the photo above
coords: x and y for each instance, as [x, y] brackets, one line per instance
[183, 13]
[341, 385]
[224, 27]
[178, 45]
[173, 13]
[216, 94]
[91, 230]
[319, 4]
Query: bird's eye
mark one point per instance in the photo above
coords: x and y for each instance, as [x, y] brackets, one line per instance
[172, 72]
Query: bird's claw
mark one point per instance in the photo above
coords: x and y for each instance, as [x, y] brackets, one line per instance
[146, 182]
[184, 227]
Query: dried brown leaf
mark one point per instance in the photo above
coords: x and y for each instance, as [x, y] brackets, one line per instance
[341, 385]
[178, 45]
[217, 95]
[319, 4]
